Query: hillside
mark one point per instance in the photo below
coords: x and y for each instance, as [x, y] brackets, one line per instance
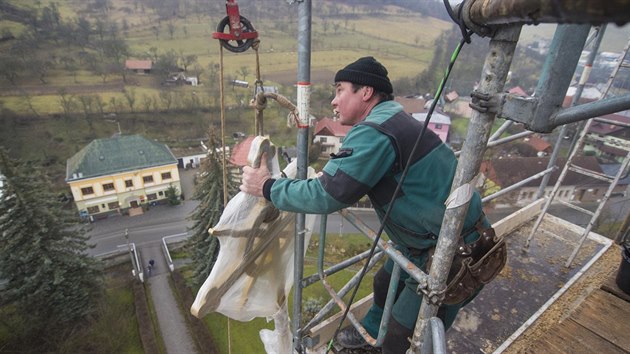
[64, 82]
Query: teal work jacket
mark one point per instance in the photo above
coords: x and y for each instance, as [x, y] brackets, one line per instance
[370, 161]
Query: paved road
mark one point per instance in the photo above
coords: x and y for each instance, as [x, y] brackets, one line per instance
[158, 222]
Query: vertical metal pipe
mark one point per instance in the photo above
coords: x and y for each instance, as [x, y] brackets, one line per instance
[322, 246]
[493, 76]
[574, 101]
[564, 53]
[303, 80]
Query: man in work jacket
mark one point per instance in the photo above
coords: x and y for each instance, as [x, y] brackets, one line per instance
[370, 161]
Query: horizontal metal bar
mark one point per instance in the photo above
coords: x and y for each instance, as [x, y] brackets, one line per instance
[590, 173]
[591, 110]
[507, 139]
[338, 267]
[517, 185]
[491, 13]
[575, 207]
[612, 122]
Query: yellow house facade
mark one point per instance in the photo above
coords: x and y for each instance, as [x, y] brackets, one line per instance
[110, 175]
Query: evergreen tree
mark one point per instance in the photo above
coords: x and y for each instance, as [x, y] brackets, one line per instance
[172, 195]
[209, 191]
[52, 282]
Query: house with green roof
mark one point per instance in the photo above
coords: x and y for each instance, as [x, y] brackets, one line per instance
[121, 173]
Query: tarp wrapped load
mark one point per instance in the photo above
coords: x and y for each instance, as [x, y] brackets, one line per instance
[253, 273]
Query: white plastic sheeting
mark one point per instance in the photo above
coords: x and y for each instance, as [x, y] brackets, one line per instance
[253, 273]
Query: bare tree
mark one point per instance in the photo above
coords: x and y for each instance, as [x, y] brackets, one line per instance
[171, 29]
[28, 100]
[187, 60]
[146, 102]
[244, 71]
[41, 69]
[100, 104]
[167, 99]
[130, 96]
[11, 69]
[86, 104]
[66, 101]
[156, 31]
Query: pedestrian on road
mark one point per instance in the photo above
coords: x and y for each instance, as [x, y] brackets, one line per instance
[150, 266]
[371, 161]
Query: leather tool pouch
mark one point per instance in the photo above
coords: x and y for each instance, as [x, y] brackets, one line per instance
[474, 265]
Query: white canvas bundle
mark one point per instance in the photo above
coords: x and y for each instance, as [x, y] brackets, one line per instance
[253, 273]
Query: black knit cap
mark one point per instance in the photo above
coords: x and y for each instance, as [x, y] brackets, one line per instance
[366, 71]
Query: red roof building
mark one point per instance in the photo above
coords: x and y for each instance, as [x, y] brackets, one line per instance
[517, 90]
[139, 66]
[539, 144]
[329, 134]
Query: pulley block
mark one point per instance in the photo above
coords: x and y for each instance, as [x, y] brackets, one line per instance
[235, 32]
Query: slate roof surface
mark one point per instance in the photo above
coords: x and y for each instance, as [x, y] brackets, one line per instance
[123, 153]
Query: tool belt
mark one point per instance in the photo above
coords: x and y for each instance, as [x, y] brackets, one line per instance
[474, 265]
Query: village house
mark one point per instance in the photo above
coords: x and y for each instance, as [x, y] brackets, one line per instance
[541, 146]
[440, 123]
[121, 174]
[610, 142]
[504, 172]
[139, 66]
[329, 134]
[411, 104]
[190, 157]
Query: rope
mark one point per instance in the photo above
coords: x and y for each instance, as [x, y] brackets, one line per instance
[224, 160]
[258, 88]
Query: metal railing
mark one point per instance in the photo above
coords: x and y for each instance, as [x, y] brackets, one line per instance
[167, 252]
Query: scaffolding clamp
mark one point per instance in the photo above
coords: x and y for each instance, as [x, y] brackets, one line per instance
[484, 102]
[435, 296]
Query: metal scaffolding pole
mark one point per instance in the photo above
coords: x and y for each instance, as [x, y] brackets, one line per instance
[494, 74]
[482, 14]
[303, 99]
[576, 97]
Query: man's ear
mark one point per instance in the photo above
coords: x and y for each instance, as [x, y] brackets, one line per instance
[368, 92]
